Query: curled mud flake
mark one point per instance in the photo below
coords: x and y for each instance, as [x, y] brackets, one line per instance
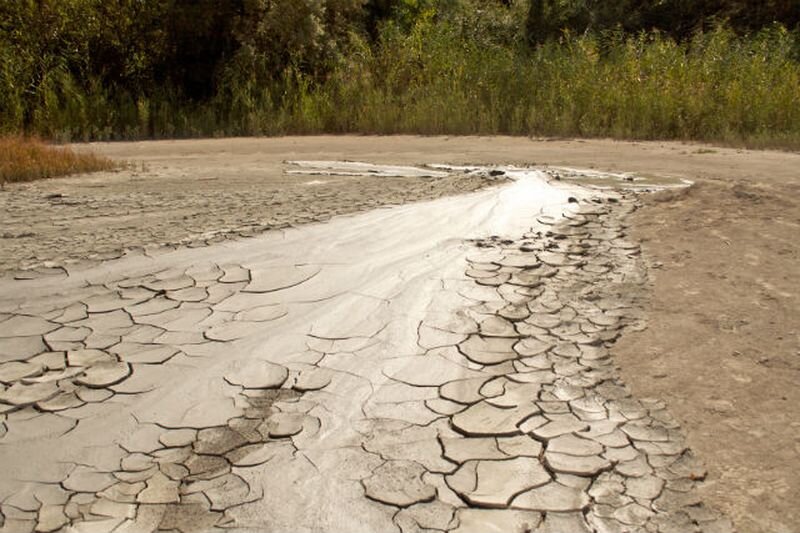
[257, 375]
[159, 489]
[230, 331]
[552, 497]
[461, 450]
[496, 483]
[61, 402]
[488, 350]
[188, 294]
[312, 379]
[514, 312]
[519, 446]
[265, 313]
[21, 348]
[169, 284]
[531, 347]
[20, 394]
[557, 428]
[520, 260]
[432, 516]
[430, 338]
[104, 374]
[496, 326]
[399, 483]
[17, 370]
[283, 425]
[583, 465]
[496, 520]
[278, 278]
[234, 274]
[218, 441]
[152, 309]
[427, 371]
[25, 326]
[483, 419]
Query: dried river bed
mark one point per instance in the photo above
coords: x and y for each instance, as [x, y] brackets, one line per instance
[440, 366]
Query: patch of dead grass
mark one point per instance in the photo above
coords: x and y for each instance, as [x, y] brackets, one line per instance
[28, 159]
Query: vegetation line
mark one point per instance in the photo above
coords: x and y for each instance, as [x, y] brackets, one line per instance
[518, 67]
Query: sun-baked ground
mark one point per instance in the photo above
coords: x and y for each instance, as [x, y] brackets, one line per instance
[722, 347]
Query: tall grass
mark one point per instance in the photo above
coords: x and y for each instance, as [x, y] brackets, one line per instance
[27, 159]
[717, 87]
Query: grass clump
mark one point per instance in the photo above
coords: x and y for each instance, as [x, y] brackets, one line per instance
[28, 159]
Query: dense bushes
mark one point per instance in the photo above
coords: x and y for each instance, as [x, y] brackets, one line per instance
[90, 69]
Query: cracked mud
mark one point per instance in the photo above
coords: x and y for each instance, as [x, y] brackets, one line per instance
[450, 377]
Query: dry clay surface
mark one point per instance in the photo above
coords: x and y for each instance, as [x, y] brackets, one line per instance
[400, 375]
[340, 379]
[190, 200]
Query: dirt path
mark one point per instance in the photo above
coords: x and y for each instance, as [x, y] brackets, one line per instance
[727, 251]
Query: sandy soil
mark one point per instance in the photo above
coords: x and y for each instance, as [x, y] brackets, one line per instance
[722, 348]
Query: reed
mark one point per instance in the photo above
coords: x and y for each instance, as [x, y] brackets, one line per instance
[717, 87]
[27, 159]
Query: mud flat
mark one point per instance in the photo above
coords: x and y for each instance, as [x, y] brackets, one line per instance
[444, 365]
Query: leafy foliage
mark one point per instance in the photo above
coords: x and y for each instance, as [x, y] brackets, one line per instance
[700, 69]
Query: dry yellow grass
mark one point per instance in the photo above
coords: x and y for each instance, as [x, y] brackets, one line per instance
[28, 159]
